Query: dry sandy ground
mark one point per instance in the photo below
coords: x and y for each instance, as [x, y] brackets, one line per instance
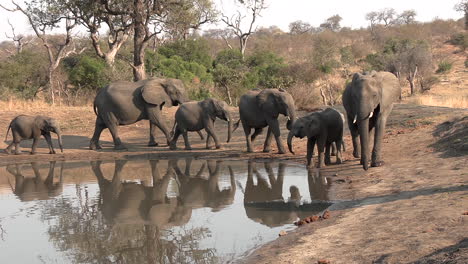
[410, 210]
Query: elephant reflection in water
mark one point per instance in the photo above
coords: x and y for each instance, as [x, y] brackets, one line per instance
[264, 202]
[135, 203]
[37, 188]
[197, 192]
[318, 185]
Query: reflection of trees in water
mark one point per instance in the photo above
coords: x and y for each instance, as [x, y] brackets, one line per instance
[89, 233]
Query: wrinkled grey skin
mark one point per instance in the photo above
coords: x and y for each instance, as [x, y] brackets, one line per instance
[195, 116]
[197, 192]
[33, 127]
[37, 188]
[368, 101]
[324, 128]
[124, 103]
[261, 108]
[135, 203]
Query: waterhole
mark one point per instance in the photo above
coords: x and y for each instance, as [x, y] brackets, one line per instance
[151, 211]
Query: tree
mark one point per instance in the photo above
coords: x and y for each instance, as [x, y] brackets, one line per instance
[387, 16]
[43, 16]
[462, 6]
[406, 17]
[18, 39]
[93, 15]
[332, 23]
[299, 27]
[234, 23]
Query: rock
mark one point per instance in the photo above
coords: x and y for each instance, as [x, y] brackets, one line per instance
[323, 261]
[315, 218]
[465, 213]
[326, 215]
[282, 233]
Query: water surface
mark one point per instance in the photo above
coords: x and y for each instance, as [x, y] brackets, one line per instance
[150, 211]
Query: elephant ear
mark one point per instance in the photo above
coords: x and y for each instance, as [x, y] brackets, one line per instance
[154, 92]
[267, 101]
[356, 77]
[42, 122]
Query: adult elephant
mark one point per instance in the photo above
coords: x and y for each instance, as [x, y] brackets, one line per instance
[261, 108]
[124, 103]
[368, 101]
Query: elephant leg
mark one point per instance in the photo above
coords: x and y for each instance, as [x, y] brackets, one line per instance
[186, 141]
[8, 149]
[321, 148]
[273, 124]
[209, 127]
[200, 134]
[247, 130]
[327, 153]
[355, 138]
[98, 127]
[152, 138]
[155, 118]
[208, 141]
[267, 144]
[376, 150]
[257, 132]
[173, 143]
[333, 149]
[34, 145]
[339, 143]
[112, 124]
[16, 142]
[310, 151]
[49, 143]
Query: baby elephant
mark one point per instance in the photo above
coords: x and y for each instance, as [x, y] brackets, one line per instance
[27, 127]
[325, 127]
[195, 116]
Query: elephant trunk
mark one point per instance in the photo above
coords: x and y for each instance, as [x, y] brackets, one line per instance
[290, 136]
[363, 125]
[291, 113]
[59, 136]
[229, 119]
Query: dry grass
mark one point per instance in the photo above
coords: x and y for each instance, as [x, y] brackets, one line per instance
[14, 104]
[440, 100]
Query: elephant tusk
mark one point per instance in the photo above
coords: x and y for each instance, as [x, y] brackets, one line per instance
[228, 119]
[289, 118]
[355, 119]
[371, 114]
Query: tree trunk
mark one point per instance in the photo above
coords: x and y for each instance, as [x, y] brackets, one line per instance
[228, 92]
[139, 42]
[50, 76]
[324, 97]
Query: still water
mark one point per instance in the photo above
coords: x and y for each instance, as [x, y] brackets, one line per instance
[150, 211]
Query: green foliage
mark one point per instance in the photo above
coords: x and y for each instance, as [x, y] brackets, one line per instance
[23, 74]
[347, 56]
[326, 52]
[444, 67]
[460, 39]
[86, 72]
[186, 60]
[199, 94]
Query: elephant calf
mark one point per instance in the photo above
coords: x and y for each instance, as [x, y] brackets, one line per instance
[195, 116]
[32, 127]
[325, 127]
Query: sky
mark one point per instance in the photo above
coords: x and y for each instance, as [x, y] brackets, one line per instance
[283, 12]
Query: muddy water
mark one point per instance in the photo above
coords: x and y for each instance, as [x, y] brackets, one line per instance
[150, 211]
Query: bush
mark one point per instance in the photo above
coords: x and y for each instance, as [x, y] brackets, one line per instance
[86, 72]
[460, 40]
[199, 94]
[444, 67]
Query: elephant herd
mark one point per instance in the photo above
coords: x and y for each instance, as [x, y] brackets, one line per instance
[368, 100]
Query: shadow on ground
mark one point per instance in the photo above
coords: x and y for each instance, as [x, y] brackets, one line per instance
[452, 137]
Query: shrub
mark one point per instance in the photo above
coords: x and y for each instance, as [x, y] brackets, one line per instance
[86, 72]
[444, 67]
[199, 93]
[460, 40]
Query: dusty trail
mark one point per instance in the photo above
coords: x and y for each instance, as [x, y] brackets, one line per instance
[409, 210]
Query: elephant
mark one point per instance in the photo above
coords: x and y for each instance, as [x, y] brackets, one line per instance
[197, 192]
[37, 188]
[136, 203]
[32, 127]
[261, 108]
[124, 103]
[368, 101]
[195, 116]
[324, 128]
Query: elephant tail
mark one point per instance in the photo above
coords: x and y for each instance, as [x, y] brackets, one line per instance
[8, 131]
[95, 108]
[171, 134]
[236, 125]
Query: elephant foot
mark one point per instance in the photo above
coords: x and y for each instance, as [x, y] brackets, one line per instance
[249, 151]
[32, 153]
[7, 151]
[320, 165]
[377, 163]
[120, 147]
[153, 144]
[188, 148]
[218, 147]
[172, 146]
[327, 161]
[94, 146]
[356, 154]
[281, 151]
[52, 152]
[266, 150]
[339, 161]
